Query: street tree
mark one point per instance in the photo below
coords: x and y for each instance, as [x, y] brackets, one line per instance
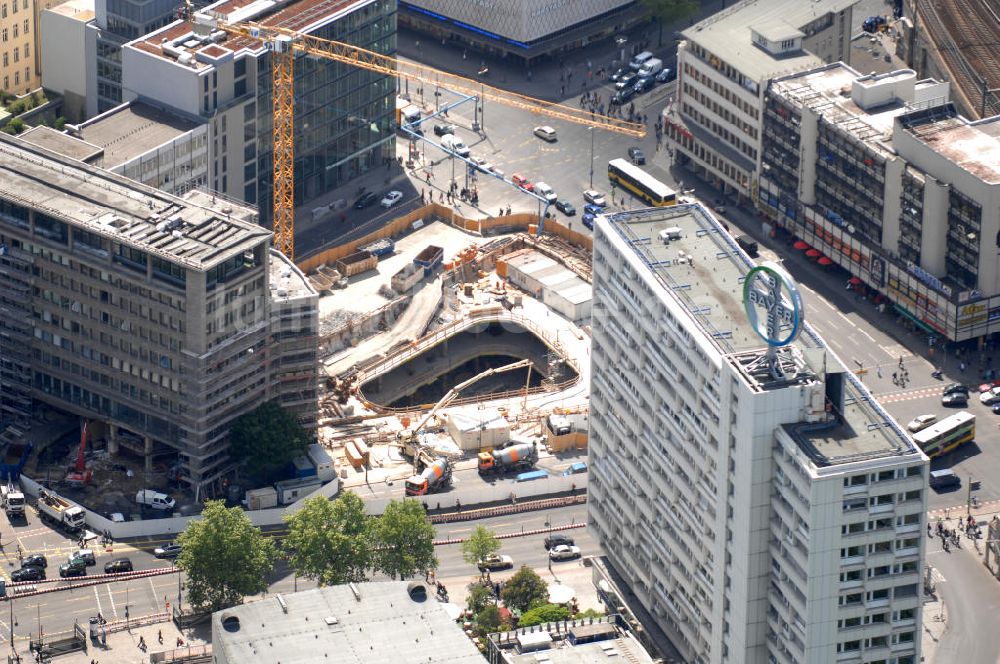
[403, 540]
[667, 12]
[225, 557]
[488, 620]
[479, 597]
[480, 543]
[525, 590]
[266, 440]
[544, 613]
[330, 540]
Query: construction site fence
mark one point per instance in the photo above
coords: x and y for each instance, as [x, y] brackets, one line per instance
[522, 533]
[437, 212]
[515, 507]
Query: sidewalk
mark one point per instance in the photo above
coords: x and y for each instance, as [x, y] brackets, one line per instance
[123, 647]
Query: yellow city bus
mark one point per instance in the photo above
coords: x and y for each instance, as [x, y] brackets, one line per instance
[640, 183]
[946, 435]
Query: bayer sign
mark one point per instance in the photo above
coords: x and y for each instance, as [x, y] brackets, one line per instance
[773, 304]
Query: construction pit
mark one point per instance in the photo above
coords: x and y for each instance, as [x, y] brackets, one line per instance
[463, 362]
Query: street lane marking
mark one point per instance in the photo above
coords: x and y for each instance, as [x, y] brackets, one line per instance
[111, 598]
[97, 596]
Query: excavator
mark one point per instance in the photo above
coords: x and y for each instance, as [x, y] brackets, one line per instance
[80, 474]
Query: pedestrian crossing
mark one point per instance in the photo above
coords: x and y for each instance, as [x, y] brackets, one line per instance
[908, 395]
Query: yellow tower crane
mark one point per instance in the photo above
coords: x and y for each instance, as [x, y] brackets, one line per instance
[286, 43]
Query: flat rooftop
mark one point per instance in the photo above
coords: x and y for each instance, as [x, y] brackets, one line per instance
[286, 281]
[703, 271]
[198, 230]
[827, 90]
[63, 143]
[726, 34]
[131, 130]
[81, 10]
[973, 146]
[185, 47]
[381, 623]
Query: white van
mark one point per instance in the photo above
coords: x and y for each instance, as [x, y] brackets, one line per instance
[154, 499]
[639, 60]
[545, 191]
[651, 67]
[455, 144]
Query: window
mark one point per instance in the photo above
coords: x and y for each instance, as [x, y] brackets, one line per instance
[849, 646]
[848, 600]
[852, 528]
[16, 30]
[3, 9]
[849, 622]
[6, 60]
[852, 551]
[884, 476]
[5, 34]
[884, 499]
[855, 504]
[853, 575]
[856, 480]
[875, 595]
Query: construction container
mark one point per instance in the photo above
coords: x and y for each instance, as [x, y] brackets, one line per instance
[363, 450]
[262, 499]
[356, 263]
[501, 268]
[429, 258]
[291, 490]
[302, 467]
[326, 469]
[353, 455]
[383, 247]
[407, 278]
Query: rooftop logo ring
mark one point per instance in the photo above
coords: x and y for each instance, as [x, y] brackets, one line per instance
[773, 304]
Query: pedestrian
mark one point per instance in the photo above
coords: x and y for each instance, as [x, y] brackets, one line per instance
[126, 613]
[180, 642]
[104, 636]
[421, 195]
[159, 636]
[142, 644]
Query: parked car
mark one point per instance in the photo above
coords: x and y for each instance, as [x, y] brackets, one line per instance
[944, 479]
[35, 560]
[956, 387]
[986, 387]
[365, 200]
[623, 96]
[482, 164]
[955, 400]
[75, 568]
[496, 561]
[590, 208]
[565, 207]
[171, 550]
[546, 192]
[558, 539]
[522, 182]
[545, 133]
[636, 156]
[564, 552]
[119, 566]
[665, 75]
[619, 74]
[996, 409]
[595, 197]
[86, 555]
[29, 573]
[626, 82]
[986, 398]
[588, 221]
[392, 198]
[921, 422]
[442, 129]
[643, 84]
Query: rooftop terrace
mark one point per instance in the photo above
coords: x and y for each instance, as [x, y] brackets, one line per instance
[197, 230]
[703, 270]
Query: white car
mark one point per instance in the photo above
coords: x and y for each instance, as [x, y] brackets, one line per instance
[564, 552]
[991, 397]
[483, 165]
[595, 197]
[546, 192]
[392, 198]
[921, 422]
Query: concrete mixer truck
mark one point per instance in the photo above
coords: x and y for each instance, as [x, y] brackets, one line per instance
[515, 457]
[435, 477]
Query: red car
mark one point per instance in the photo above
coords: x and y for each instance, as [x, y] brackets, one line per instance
[522, 182]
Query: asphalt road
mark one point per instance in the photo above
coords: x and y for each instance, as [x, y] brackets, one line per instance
[56, 612]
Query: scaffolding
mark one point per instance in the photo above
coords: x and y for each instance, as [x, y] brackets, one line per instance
[15, 338]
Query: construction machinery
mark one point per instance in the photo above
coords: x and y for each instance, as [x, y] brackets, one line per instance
[59, 511]
[435, 477]
[284, 44]
[12, 499]
[515, 457]
[80, 474]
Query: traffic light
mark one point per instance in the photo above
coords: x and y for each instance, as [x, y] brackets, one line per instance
[974, 485]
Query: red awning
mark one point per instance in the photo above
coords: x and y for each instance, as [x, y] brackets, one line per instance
[800, 245]
[813, 253]
[825, 261]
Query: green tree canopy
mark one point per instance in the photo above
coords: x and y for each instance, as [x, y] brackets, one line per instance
[403, 540]
[525, 590]
[225, 557]
[667, 12]
[544, 613]
[488, 620]
[479, 597]
[329, 540]
[479, 544]
[266, 440]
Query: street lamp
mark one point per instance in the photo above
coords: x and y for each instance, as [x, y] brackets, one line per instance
[591, 129]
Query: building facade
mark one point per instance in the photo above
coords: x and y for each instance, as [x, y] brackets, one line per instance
[724, 65]
[343, 116]
[882, 175]
[762, 506]
[520, 29]
[17, 47]
[66, 49]
[158, 318]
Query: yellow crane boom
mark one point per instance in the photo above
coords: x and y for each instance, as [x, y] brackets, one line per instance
[286, 42]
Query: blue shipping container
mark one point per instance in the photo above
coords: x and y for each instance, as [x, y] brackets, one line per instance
[532, 475]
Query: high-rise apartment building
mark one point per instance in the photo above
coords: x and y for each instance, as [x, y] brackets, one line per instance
[761, 505]
[883, 175]
[18, 74]
[158, 318]
[724, 65]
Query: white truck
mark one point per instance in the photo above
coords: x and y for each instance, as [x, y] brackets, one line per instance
[12, 499]
[62, 513]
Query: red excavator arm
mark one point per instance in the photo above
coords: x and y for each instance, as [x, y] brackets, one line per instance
[80, 475]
